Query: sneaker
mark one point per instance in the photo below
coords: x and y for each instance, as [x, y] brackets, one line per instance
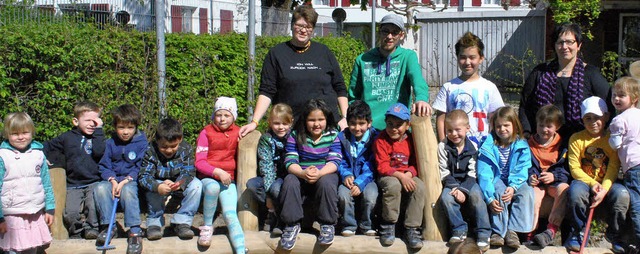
[633, 249]
[102, 237]
[511, 239]
[483, 244]
[387, 234]
[370, 232]
[496, 240]
[348, 233]
[458, 237]
[154, 233]
[543, 239]
[134, 243]
[91, 233]
[327, 233]
[184, 231]
[573, 243]
[289, 237]
[414, 238]
[205, 236]
[618, 248]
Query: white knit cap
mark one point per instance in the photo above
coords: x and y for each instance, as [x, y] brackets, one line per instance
[226, 103]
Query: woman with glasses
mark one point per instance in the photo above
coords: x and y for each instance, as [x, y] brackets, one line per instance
[565, 82]
[298, 70]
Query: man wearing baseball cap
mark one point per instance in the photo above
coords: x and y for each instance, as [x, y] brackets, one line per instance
[594, 166]
[386, 74]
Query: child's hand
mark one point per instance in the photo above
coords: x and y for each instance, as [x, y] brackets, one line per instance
[97, 122]
[48, 218]
[546, 177]
[355, 191]
[114, 187]
[599, 193]
[312, 174]
[407, 182]
[495, 206]
[164, 189]
[224, 177]
[508, 195]
[348, 182]
[458, 195]
[119, 187]
[533, 180]
[176, 185]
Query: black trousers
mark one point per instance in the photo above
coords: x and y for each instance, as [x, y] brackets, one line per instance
[296, 191]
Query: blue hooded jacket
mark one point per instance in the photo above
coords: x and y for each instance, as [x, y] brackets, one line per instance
[123, 159]
[360, 167]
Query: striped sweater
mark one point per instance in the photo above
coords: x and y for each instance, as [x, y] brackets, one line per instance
[326, 150]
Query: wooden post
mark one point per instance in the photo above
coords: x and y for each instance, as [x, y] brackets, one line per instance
[59, 184]
[247, 169]
[426, 148]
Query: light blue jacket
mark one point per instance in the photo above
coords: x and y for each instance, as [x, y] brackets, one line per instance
[489, 167]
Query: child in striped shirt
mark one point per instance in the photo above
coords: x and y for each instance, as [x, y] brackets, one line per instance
[312, 159]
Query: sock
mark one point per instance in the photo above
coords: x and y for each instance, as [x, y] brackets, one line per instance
[529, 236]
[271, 210]
[553, 229]
[135, 229]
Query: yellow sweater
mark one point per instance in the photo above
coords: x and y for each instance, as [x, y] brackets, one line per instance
[592, 160]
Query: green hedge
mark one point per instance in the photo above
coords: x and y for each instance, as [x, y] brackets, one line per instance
[46, 68]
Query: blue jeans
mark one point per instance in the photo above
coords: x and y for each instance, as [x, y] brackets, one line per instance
[517, 214]
[366, 199]
[473, 203]
[128, 201]
[256, 186]
[632, 182]
[188, 207]
[616, 203]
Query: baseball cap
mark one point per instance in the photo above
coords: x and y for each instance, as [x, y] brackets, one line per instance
[393, 19]
[595, 105]
[399, 110]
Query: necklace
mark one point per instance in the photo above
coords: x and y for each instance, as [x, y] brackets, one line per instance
[305, 48]
[564, 73]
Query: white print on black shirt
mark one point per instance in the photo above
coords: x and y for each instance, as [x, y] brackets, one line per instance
[304, 66]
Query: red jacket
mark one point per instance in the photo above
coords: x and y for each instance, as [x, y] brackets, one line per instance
[392, 156]
[217, 149]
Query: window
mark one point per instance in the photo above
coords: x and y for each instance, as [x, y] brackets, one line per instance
[321, 2]
[181, 19]
[629, 38]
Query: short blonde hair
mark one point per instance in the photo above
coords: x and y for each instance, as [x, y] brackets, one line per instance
[455, 115]
[282, 112]
[85, 106]
[18, 121]
[631, 86]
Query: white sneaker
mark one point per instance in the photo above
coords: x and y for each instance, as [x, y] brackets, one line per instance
[483, 244]
[347, 232]
[370, 232]
[205, 236]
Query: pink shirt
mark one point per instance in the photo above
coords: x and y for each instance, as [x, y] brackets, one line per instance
[627, 129]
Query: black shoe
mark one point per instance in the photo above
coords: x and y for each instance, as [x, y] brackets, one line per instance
[387, 234]
[154, 233]
[102, 237]
[184, 231]
[91, 233]
[543, 239]
[414, 238]
[134, 243]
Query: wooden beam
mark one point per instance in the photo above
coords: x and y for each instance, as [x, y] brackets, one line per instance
[426, 146]
[247, 169]
[59, 184]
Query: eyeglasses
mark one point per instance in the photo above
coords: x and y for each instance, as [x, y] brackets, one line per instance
[300, 27]
[386, 32]
[568, 42]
